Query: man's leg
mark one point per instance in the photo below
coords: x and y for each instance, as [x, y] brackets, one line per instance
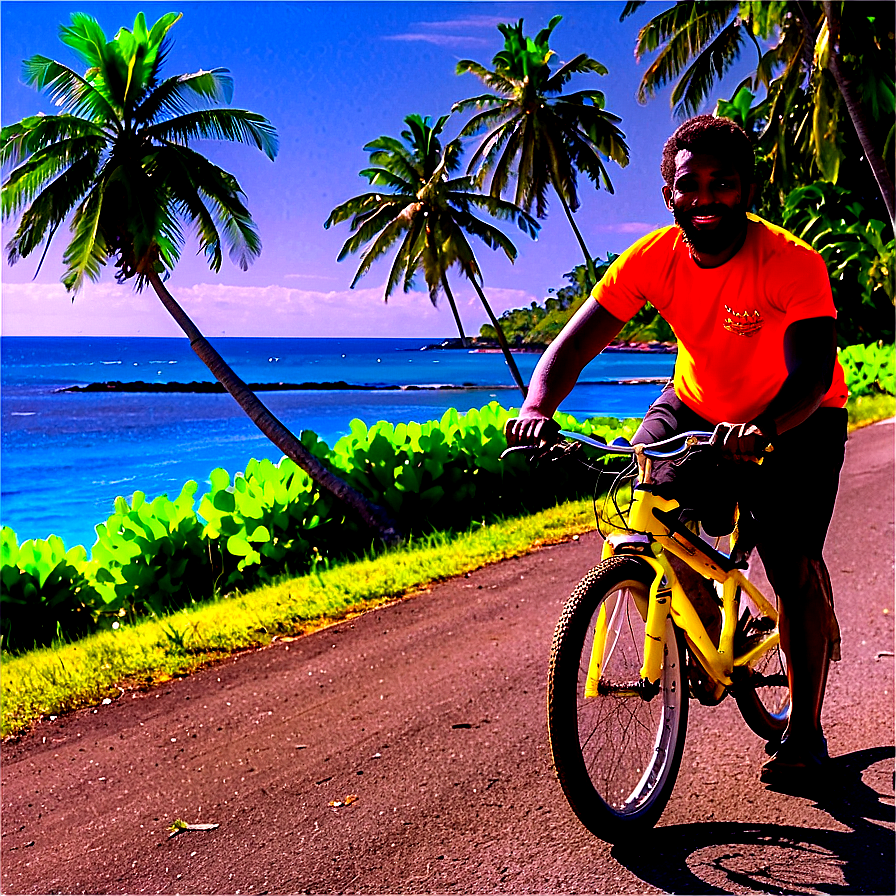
[793, 498]
[810, 639]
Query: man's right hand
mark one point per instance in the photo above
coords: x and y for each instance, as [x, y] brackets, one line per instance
[530, 429]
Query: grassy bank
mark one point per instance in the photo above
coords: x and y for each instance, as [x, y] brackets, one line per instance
[103, 666]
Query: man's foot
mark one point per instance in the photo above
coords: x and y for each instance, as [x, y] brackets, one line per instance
[796, 759]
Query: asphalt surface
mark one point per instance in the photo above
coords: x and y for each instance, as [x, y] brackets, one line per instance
[405, 751]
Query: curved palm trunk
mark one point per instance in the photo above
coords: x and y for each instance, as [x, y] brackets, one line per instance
[372, 515]
[589, 261]
[502, 339]
[454, 311]
[856, 112]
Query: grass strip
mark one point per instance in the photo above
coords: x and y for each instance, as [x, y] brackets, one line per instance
[102, 666]
[865, 409]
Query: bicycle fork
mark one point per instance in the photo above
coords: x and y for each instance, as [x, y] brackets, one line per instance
[667, 598]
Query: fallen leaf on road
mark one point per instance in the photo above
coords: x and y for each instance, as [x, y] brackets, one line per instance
[178, 826]
[346, 801]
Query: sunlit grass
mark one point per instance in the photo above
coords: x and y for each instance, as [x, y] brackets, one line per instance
[102, 666]
[865, 409]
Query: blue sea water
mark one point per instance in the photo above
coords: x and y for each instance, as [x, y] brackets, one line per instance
[66, 456]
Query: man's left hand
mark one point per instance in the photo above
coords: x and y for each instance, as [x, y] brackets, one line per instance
[740, 441]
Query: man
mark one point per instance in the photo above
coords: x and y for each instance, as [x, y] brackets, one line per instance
[752, 310]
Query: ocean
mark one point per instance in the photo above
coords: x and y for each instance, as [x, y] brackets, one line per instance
[64, 456]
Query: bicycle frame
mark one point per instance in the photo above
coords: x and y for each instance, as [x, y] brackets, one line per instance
[668, 535]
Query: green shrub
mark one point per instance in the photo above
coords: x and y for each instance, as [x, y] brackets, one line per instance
[45, 594]
[870, 369]
[150, 557]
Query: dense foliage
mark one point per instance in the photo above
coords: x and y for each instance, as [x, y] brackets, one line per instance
[538, 325]
[152, 557]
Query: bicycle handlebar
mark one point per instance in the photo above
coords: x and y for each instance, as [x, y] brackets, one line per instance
[688, 439]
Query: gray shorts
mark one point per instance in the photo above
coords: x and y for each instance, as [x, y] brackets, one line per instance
[790, 495]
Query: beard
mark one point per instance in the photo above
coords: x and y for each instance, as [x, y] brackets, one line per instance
[731, 227]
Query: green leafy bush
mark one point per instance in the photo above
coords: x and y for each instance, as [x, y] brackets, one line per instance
[150, 557]
[860, 254]
[870, 369]
[271, 520]
[45, 593]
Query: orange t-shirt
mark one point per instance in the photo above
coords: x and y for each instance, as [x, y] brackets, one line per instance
[729, 320]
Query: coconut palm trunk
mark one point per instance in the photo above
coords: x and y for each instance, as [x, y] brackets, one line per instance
[453, 305]
[502, 339]
[372, 515]
[589, 261]
[856, 111]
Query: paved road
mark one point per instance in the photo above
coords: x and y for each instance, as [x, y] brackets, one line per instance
[425, 719]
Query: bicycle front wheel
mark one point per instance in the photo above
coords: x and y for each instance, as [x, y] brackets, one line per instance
[616, 748]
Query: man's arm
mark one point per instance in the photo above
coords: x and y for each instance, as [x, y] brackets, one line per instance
[810, 352]
[588, 333]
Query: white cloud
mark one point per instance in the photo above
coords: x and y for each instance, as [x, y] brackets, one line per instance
[107, 309]
[639, 228]
[444, 34]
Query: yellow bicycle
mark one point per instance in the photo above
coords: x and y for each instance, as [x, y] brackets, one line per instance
[619, 682]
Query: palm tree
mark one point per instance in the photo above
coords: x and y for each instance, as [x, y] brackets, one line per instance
[118, 164]
[535, 133]
[824, 55]
[419, 205]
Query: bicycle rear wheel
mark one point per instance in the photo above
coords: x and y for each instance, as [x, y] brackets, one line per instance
[616, 752]
[763, 696]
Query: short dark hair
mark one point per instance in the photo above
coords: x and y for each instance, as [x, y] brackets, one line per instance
[719, 137]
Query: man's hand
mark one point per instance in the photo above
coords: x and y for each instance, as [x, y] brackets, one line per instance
[530, 429]
[740, 441]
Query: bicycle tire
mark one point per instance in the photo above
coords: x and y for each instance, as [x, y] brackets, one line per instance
[763, 695]
[616, 757]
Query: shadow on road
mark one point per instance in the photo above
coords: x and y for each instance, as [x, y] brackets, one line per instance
[758, 858]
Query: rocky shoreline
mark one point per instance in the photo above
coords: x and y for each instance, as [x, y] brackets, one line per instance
[214, 387]
[202, 387]
[477, 344]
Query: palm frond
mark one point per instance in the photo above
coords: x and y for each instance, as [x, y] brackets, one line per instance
[86, 39]
[405, 261]
[86, 254]
[178, 95]
[222, 192]
[587, 159]
[399, 163]
[578, 65]
[30, 135]
[234, 125]
[184, 184]
[359, 206]
[694, 23]
[27, 180]
[69, 90]
[489, 117]
[711, 65]
[492, 79]
[597, 126]
[378, 222]
[486, 154]
[50, 207]
[381, 177]
[500, 209]
[379, 247]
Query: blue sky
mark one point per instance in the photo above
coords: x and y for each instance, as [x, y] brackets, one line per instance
[331, 76]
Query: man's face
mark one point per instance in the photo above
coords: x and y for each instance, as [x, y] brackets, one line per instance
[709, 202]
